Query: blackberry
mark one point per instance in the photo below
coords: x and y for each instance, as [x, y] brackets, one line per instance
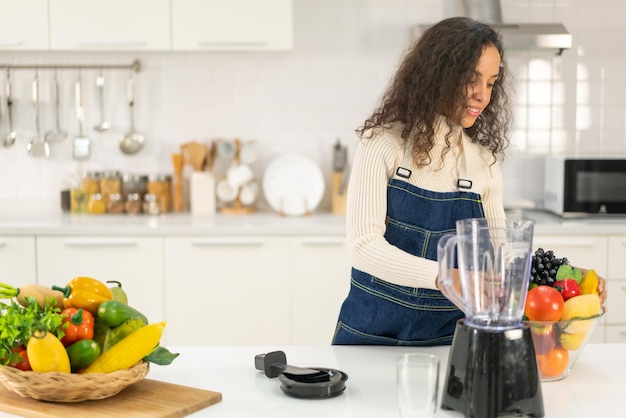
[544, 267]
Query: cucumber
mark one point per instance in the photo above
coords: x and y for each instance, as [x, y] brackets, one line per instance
[82, 353]
[114, 313]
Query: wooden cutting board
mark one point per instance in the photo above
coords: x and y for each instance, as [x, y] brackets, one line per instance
[146, 398]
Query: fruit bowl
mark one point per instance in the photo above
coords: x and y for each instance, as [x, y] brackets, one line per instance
[558, 344]
[70, 387]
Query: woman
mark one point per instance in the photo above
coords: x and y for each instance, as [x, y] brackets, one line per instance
[429, 155]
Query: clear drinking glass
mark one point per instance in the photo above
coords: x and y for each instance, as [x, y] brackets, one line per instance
[418, 385]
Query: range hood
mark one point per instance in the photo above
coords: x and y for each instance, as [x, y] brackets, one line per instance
[547, 36]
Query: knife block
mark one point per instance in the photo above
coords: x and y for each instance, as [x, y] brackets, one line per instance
[338, 197]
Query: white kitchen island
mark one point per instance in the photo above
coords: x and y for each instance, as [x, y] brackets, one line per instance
[593, 389]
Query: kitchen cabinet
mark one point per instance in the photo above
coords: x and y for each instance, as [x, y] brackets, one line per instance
[227, 290]
[616, 289]
[17, 260]
[136, 262]
[320, 280]
[586, 251]
[114, 25]
[233, 25]
[25, 25]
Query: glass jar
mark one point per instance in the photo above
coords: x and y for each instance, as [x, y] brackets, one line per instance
[134, 183]
[110, 183]
[96, 205]
[133, 203]
[90, 182]
[115, 203]
[78, 200]
[160, 185]
[151, 204]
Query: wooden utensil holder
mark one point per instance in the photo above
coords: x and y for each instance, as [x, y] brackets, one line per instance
[338, 197]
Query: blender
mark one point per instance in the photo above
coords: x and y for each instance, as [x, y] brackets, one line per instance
[484, 270]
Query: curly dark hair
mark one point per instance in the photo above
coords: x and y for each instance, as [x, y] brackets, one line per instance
[433, 79]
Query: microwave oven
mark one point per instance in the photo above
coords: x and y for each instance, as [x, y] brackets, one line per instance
[575, 187]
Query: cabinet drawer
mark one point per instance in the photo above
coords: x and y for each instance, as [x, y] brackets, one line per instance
[115, 25]
[617, 253]
[17, 260]
[320, 281]
[135, 262]
[233, 25]
[25, 25]
[616, 301]
[238, 288]
[589, 251]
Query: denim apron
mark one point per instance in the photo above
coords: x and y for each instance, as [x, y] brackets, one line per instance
[382, 313]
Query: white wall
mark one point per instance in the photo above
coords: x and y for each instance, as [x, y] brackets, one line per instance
[303, 100]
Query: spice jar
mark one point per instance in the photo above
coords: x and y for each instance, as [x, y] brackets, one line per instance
[110, 183]
[96, 204]
[115, 204]
[151, 204]
[134, 183]
[133, 203]
[78, 200]
[90, 183]
[160, 185]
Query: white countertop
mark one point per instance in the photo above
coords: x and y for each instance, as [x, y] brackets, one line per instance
[593, 389]
[269, 223]
[170, 224]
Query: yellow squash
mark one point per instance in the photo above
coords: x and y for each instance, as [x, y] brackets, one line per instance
[46, 353]
[129, 351]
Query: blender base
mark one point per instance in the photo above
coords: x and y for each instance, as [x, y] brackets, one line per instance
[492, 373]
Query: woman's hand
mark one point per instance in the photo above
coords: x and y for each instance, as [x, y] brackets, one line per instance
[602, 291]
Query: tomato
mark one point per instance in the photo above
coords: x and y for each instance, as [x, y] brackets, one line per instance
[23, 363]
[544, 303]
[554, 362]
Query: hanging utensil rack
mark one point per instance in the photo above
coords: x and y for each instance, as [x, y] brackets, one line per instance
[134, 66]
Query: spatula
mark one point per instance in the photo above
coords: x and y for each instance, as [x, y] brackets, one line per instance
[38, 146]
[82, 145]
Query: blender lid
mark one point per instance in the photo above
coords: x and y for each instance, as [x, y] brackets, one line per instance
[300, 382]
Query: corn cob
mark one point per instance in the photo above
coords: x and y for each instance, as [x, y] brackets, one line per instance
[129, 351]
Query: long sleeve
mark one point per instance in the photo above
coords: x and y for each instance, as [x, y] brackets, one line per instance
[375, 162]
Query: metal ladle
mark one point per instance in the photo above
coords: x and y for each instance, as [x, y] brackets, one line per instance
[133, 141]
[38, 146]
[56, 134]
[9, 138]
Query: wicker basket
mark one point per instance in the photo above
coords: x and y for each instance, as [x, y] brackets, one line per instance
[70, 387]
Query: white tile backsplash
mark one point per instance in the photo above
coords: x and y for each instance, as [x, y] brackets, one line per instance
[302, 100]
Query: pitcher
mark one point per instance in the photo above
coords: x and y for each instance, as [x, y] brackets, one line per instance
[493, 259]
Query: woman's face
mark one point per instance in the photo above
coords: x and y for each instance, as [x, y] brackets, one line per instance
[479, 90]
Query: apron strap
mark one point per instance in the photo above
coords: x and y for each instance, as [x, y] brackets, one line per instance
[404, 172]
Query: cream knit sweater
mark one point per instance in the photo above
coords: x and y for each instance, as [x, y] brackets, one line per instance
[375, 162]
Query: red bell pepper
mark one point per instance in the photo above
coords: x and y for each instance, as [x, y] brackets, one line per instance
[568, 288]
[80, 325]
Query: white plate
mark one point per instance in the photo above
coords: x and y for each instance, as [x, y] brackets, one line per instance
[293, 184]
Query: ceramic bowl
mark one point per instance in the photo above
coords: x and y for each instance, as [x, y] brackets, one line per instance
[558, 344]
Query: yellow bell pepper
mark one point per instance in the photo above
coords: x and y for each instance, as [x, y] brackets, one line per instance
[85, 292]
